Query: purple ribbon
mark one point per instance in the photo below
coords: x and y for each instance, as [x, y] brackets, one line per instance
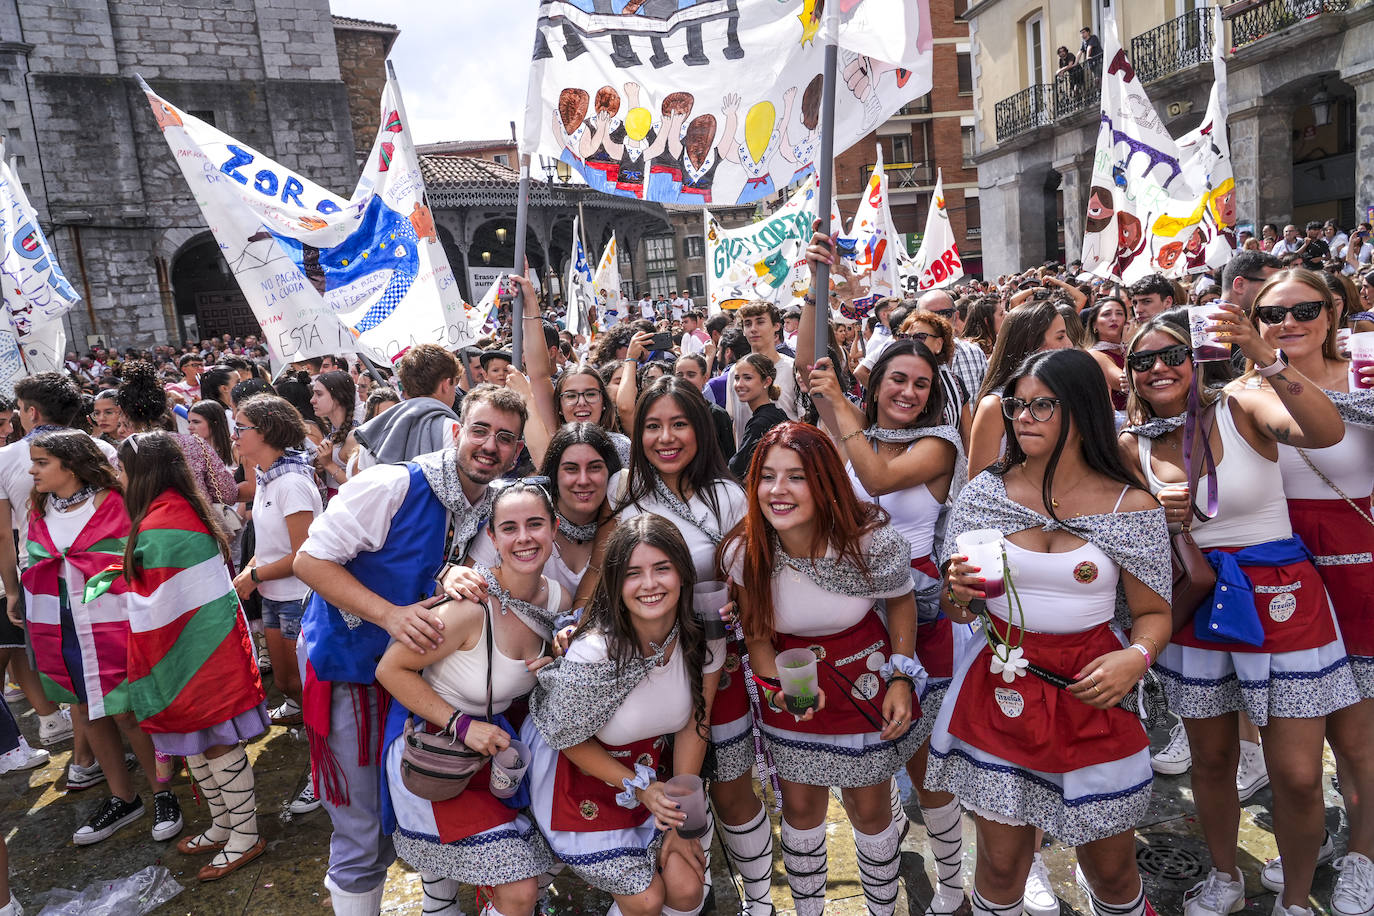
[1191, 428]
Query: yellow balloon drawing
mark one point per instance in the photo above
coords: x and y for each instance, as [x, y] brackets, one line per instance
[637, 123]
[758, 129]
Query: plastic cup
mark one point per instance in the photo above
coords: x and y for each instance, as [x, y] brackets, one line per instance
[1207, 347]
[508, 767]
[984, 550]
[689, 792]
[1361, 357]
[707, 600]
[797, 671]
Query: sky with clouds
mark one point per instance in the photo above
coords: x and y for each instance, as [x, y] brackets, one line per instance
[462, 64]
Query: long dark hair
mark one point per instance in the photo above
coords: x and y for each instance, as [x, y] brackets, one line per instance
[980, 327]
[79, 454]
[153, 464]
[212, 412]
[342, 391]
[704, 470]
[608, 615]
[933, 414]
[577, 434]
[1078, 383]
[211, 381]
[1023, 333]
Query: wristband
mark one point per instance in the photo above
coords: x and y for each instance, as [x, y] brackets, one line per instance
[769, 696]
[857, 432]
[768, 683]
[1274, 368]
[1145, 652]
[458, 725]
[950, 596]
[253, 574]
[641, 780]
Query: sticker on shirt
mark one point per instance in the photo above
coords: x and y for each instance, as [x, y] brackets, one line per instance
[1281, 607]
[1085, 572]
[865, 687]
[1009, 701]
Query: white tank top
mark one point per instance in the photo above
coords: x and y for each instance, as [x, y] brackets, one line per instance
[914, 512]
[1251, 504]
[461, 678]
[1060, 592]
[1349, 464]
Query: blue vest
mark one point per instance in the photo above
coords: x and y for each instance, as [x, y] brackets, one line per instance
[402, 572]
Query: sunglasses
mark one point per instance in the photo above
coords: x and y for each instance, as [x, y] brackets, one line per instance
[1144, 360]
[1303, 311]
[946, 314]
[922, 336]
[1041, 409]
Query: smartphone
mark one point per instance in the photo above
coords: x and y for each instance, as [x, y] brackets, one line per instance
[663, 340]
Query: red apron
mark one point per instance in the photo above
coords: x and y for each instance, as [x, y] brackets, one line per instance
[731, 700]
[472, 811]
[934, 638]
[849, 651]
[1331, 528]
[1036, 725]
[585, 804]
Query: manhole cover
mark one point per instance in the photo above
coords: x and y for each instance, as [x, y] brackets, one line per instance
[1162, 857]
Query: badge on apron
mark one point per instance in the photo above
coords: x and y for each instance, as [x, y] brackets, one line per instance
[1009, 701]
[865, 687]
[1085, 572]
[1281, 607]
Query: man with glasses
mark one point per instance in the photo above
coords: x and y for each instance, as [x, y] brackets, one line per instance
[969, 363]
[1241, 280]
[372, 559]
[187, 391]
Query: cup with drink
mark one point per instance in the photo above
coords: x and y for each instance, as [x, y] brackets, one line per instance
[1207, 346]
[707, 600]
[797, 672]
[1361, 357]
[689, 793]
[985, 552]
[508, 767]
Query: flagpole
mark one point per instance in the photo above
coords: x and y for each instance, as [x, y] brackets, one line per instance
[522, 217]
[825, 168]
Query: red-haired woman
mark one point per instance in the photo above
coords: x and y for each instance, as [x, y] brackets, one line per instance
[811, 560]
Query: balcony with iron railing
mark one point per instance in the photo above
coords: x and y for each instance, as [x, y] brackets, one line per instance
[905, 176]
[1078, 89]
[1030, 108]
[916, 106]
[1252, 20]
[1178, 44]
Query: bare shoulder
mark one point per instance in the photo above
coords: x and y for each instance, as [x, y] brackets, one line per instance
[1138, 500]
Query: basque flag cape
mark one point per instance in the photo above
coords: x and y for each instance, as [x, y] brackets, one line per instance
[191, 660]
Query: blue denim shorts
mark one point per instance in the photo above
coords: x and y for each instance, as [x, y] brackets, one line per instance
[284, 616]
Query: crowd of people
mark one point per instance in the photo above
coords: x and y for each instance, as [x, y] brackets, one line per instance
[590, 610]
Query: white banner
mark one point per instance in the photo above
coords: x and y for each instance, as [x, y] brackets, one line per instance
[937, 261]
[36, 293]
[580, 292]
[755, 260]
[875, 242]
[702, 101]
[323, 274]
[611, 307]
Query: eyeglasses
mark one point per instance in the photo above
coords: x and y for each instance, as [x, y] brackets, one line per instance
[590, 396]
[240, 429]
[481, 433]
[1144, 360]
[1302, 311]
[922, 336]
[1041, 409]
[539, 481]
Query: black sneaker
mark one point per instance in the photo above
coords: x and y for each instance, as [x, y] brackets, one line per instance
[111, 816]
[166, 816]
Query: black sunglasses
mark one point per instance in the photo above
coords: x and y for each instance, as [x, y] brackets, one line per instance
[1143, 360]
[922, 336]
[1303, 311]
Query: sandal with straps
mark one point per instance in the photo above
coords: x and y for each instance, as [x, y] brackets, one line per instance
[214, 872]
[195, 845]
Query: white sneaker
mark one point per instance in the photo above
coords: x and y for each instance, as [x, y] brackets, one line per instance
[1251, 775]
[1353, 894]
[1281, 910]
[13, 694]
[23, 757]
[12, 908]
[1176, 757]
[1039, 898]
[1272, 874]
[56, 728]
[1216, 896]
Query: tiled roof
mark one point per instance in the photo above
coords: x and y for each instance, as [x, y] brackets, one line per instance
[352, 23]
[459, 147]
[444, 170]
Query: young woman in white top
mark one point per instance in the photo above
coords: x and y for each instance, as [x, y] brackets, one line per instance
[1284, 664]
[475, 837]
[1048, 747]
[1329, 507]
[333, 396]
[811, 563]
[638, 673]
[901, 454]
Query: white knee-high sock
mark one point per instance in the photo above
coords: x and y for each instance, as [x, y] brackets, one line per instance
[234, 776]
[1135, 908]
[347, 903]
[898, 812]
[750, 847]
[945, 832]
[804, 857]
[218, 831]
[984, 907]
[441, 896]
[879, 861]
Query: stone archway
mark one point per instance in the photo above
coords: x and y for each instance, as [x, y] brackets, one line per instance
[207, 299]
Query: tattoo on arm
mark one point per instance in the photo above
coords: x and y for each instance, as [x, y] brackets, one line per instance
[1279, 433]
[1295, 389]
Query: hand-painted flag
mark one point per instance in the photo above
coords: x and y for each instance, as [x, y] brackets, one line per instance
[937, 262]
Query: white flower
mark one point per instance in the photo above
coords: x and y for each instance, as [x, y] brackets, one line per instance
[1010, 663]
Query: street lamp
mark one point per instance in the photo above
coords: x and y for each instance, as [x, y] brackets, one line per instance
[486, 257]
[1321, 106]
[501, 233]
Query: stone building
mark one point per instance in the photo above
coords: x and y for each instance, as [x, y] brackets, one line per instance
[1299, 72]
[126, 230]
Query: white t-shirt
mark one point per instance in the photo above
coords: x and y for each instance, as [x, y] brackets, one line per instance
[679, 306]
[695, 342]
[278, 498]
[646, 308]
[16, 485]
[729, 498]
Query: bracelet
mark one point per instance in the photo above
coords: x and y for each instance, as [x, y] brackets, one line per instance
[844, 439]
[1154, 643]
[253, 574]
[1274, 368]
[950, 596]
[769, 697]
[531, 317]
[808, 299]
[642, 779]
[902, 677]
[767, 683]
[1145, 652]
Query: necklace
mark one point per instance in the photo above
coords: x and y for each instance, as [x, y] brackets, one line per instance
[63, 503]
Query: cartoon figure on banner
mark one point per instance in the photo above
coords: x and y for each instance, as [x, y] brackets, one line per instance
[1101, 211]
[634, 143]
[701, 157]
[1131, 242]
[1215, 217]
[601, 167]
[802, 152]
[665, 172]
[592, 19]
[761, 138]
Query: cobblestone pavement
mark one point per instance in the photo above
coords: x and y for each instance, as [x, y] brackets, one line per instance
[39, 817]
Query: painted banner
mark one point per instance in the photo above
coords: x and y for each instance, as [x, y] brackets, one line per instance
[581, 289]
[712, 101]
[611, 307]
[873, 244]
[321, 273]
[1136, 172]
[1199, 233]
[755, 260]
[36, 293]
[937, 262]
